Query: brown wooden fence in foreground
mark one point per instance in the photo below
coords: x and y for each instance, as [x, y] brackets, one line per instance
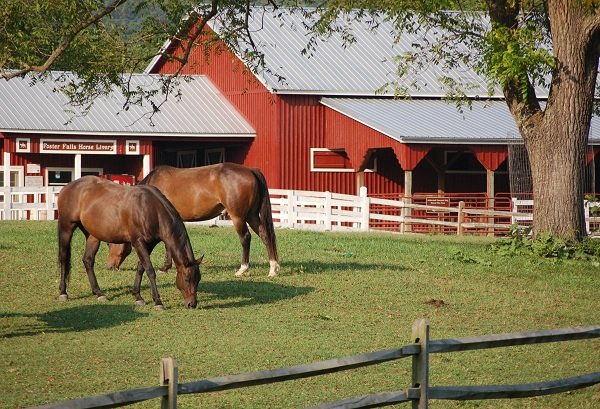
[419, 393]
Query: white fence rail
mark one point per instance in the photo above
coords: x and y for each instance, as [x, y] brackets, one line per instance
[324, 211]
[33, 203]
[332, 211]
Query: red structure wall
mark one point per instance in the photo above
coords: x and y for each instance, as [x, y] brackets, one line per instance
[289, 125]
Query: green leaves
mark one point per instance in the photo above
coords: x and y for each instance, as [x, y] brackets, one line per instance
[545, 245]
[515, 56]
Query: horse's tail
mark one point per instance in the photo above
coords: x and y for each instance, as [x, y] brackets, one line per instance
[264, 213]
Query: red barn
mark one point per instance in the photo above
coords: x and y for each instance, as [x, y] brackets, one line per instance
[310, 119]
[321, 125]
[46, 142]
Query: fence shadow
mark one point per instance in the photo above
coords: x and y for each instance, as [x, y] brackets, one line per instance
[72, 319]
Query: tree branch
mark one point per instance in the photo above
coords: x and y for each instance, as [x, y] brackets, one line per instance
[194, 18]
[65, 43]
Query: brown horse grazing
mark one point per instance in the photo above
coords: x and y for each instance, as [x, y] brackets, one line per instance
[139, 215]
[203, 193]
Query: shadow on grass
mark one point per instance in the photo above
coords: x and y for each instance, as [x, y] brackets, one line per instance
[234, 293]
[289, 267]
[242, 293]
[319, 267]
[72, 319]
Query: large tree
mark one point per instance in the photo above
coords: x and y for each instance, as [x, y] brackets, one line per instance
[517, 45]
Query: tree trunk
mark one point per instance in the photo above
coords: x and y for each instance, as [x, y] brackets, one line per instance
[556, 154]
[556, 139]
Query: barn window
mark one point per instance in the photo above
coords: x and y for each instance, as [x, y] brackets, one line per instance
[213, 156]
[62, 176]
[329, 160]
[186, 159]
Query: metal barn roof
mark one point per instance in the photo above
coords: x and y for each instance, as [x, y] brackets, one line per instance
[357, 69]
[201, 111]
[436, 121]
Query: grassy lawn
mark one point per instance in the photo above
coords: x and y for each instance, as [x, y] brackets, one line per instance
[337, 295]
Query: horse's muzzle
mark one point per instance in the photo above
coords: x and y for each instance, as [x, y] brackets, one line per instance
[191, 304]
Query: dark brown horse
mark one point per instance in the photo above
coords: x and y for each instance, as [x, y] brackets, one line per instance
[139, 215]
[205, 192]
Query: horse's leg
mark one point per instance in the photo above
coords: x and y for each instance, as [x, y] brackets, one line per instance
[89, 256]
[65, 233]
[245, 237]
[137, 284]
[143, 251]
[168, 261]
[260, 229]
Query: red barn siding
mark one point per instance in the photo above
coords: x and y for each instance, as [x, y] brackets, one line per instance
[357, 139]
[301, 124]
[250, 97]
[491, 157]
[288, 126]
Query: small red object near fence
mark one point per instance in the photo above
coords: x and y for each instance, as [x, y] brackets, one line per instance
[122, 179]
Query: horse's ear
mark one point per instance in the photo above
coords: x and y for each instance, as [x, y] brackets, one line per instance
[199, 261]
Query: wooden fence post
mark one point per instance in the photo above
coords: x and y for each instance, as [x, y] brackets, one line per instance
[461, 218]
[586, 215]
[169, 376]
[7, 203]
[365, 209]
[327, 211]
[420, 363]
[291, 209]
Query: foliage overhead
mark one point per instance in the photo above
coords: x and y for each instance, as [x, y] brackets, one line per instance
[99, 40]
[102, 41]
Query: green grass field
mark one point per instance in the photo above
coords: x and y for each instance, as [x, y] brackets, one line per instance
[337, 295]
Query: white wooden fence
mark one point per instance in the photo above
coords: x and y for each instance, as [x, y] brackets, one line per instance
[325, 211]
[33, 203]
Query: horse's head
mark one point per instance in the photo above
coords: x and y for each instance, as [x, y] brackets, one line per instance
[188, 277]
[116, 254]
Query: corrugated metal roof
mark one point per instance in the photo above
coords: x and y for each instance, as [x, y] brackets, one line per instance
[360, 68]
[436, 121]
[201, 111]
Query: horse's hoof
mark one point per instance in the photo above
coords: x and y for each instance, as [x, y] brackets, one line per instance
[102, 298]
[159, 307]
[140, 302]
[243, 269]
[274, 270]
[63, 297]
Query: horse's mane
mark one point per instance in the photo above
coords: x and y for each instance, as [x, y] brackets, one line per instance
[178, 231]
[168, 205]
[179, 228]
